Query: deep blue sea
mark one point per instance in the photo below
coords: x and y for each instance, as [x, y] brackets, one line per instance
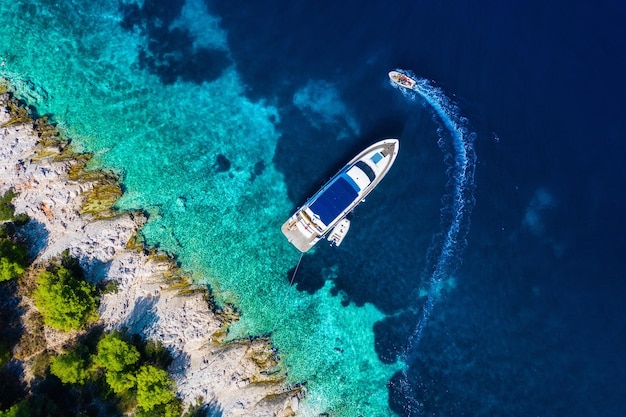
[485, 276]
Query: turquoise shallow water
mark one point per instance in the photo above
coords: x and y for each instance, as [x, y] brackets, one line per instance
[74, 61]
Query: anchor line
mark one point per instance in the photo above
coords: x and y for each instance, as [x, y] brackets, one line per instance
[293, 277]
[295, 271]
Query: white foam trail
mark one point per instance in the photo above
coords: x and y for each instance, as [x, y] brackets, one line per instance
[458, 148]
[460, 157]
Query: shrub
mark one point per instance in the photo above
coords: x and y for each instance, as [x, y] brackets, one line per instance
[108, 287]
[40, 405]
[20, 409]
[65, 301]
[7, 211]
[70, 368]
[20, 219]
[154, 387]
[6, 208]
[12, 260]
[156, 354]
[171, 409]
[9, 270]
[40, 364]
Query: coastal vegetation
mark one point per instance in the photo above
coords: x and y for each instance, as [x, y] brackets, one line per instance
[12, 253]
[7, 212]
[6, 209]
[64, 299]
[12, 259]
[115, 376]
[92, 372]
[130, 372]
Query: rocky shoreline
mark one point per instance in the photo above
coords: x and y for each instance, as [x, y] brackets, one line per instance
[70, 209]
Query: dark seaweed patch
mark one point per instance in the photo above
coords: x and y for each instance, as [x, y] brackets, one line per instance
[222, 164]
[170, 53]
[258, 169]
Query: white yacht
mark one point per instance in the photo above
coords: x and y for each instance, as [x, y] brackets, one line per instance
[328, 208]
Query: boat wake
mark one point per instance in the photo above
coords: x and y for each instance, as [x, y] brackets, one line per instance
[456, 141]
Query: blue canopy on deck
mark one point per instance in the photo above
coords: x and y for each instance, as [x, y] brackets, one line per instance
[336, 198]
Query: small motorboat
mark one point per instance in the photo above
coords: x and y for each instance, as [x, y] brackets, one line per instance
[401, 79]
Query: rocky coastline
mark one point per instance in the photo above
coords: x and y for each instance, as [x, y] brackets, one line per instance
[70, 208]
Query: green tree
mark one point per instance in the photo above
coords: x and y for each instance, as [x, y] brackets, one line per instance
[39, 405]
[115, 355]
[120, 382]
[12, 260]
[70, 368]
[6, 208]
[65, 301]
[154, 387]
[117, 358]
[171, 409]
[20, 409]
